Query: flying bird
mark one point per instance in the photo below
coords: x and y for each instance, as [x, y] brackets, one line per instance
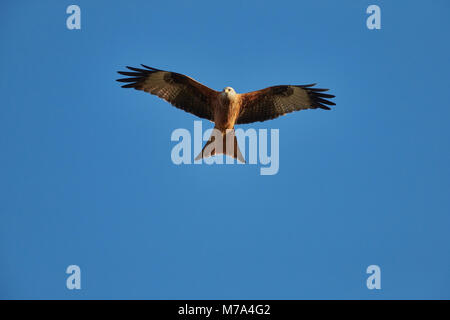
[225, 108]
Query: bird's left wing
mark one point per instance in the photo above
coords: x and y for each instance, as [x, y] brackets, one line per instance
[181, 91]
[272, 102]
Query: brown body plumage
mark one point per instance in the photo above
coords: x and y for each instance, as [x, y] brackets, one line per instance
[226, 108]
[226, 111]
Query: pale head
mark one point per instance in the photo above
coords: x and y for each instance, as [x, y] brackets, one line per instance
[229, 92]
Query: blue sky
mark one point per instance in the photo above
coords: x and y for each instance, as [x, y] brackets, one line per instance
[86, 176]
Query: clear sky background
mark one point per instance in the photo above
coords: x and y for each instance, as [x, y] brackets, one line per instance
[86, 176]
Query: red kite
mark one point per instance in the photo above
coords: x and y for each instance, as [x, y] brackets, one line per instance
[226, 108]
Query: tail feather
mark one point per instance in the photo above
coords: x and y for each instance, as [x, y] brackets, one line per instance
[226, 143]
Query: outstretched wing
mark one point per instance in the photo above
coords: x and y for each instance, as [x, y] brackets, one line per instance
[181, 91]
[272, 102]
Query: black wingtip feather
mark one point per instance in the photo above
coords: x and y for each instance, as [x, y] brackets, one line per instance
[129, 80]
[324, 95]
[150, 68]
[132, 74]
[137, 69]
[307, 85]
[317, 89]
[319, 99]
[137, 76]
[129, 85]
[323, 101]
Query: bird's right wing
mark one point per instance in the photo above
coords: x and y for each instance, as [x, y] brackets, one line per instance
[181, 91]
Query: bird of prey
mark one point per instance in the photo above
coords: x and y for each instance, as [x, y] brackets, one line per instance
[225, 108]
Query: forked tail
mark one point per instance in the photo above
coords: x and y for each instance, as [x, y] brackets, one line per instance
[222, 142]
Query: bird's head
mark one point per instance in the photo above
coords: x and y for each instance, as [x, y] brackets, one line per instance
[228, 92]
